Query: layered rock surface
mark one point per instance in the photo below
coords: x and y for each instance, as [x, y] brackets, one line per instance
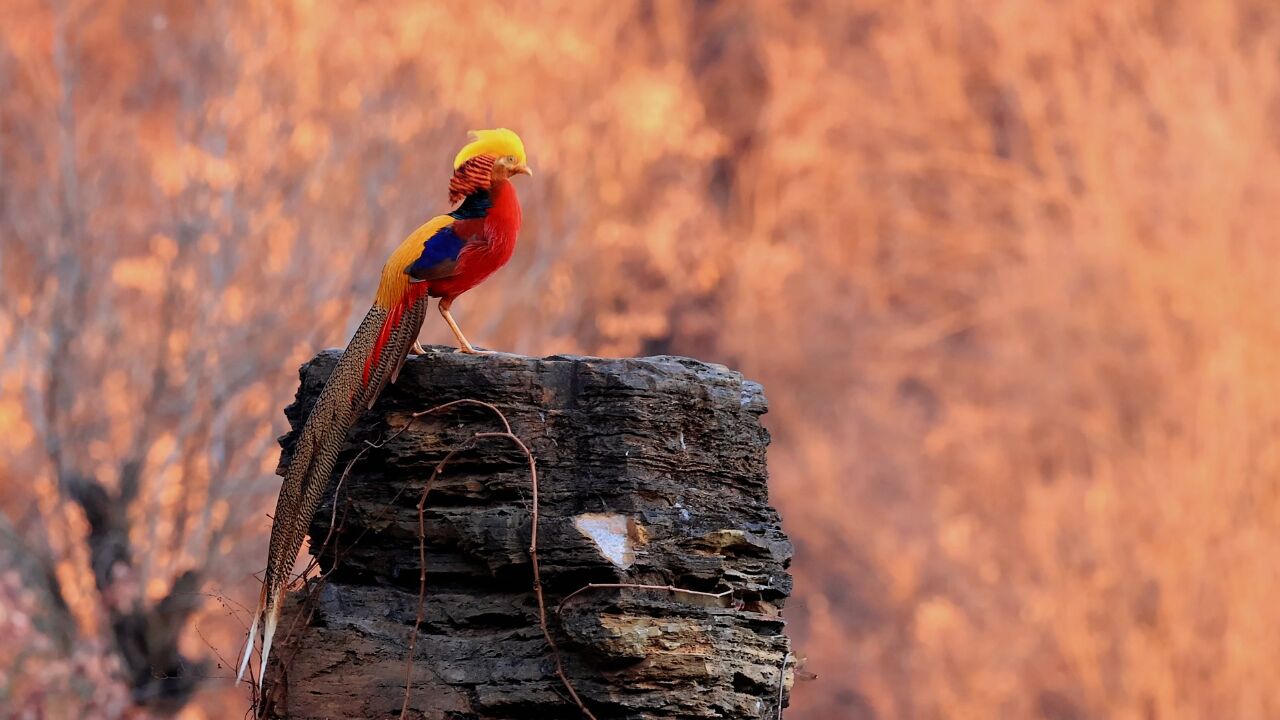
[651, 471]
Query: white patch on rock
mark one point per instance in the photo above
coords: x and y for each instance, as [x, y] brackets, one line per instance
[611, 534]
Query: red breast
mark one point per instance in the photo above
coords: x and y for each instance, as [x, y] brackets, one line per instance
[490, 242]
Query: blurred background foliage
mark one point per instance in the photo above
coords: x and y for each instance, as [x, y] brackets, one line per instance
[1006, 269]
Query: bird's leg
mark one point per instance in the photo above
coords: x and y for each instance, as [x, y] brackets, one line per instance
[417, 348]
[463, 345]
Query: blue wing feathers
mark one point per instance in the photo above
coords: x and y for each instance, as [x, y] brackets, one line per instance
[439, 253]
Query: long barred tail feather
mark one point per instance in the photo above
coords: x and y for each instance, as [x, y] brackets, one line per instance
[371, 360]
[268, 634]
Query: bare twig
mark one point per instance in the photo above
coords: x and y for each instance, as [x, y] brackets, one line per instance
[346, 472]
[422, 569]
[221, 660]
[537, 573]
[533, 558]
[638, 586]
[782, 679]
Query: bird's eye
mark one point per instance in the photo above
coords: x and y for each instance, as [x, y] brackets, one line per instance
[510, 159]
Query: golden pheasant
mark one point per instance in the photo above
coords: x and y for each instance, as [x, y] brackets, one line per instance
[444, 258]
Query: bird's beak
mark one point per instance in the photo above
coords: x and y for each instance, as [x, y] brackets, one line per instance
[522, 170]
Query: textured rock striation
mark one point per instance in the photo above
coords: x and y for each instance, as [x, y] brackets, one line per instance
[651, 471]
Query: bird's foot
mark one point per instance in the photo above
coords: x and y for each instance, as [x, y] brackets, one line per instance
[417, 349]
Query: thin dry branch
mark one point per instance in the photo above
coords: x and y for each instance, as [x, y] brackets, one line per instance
[537, 572]
[640, 586]
[782, 681]
[422, 570]
[533, 558]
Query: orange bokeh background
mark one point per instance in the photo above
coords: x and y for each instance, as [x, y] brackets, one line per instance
[1006, 269]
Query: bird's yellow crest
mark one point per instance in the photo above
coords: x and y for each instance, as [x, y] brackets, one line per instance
[497, 142]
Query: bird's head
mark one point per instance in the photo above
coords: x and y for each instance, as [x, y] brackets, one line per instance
[491, 157]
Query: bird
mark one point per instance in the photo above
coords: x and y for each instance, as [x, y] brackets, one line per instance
[445, 257]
